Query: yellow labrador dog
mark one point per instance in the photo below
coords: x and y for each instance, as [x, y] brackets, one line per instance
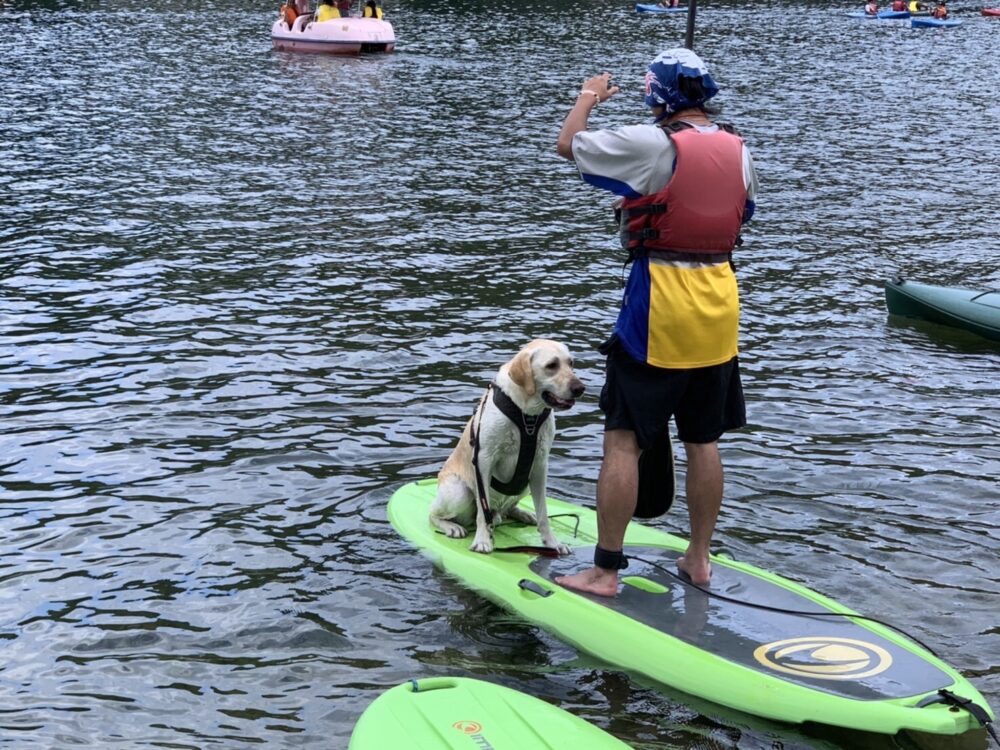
[504, 450]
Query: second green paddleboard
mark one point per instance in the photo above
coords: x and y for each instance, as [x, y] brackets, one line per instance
[445, 713]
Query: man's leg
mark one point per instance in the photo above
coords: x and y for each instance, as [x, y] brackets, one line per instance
[617, 488]
[704, 499]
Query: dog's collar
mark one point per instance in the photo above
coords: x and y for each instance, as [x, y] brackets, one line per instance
[526, 423]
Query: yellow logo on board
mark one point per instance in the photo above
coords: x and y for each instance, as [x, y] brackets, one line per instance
[824, 658]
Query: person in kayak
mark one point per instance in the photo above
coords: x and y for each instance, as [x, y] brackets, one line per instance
[941, 11]
[687, 185]
[899, 5]
[915, 6]
[871, 8]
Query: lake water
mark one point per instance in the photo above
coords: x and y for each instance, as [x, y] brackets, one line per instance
[245, 295]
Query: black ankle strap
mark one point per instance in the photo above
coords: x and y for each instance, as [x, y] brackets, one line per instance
[609, 560]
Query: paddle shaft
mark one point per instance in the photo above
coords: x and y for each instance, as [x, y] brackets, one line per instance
[689, 37]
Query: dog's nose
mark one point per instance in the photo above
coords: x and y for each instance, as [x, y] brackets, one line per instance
[577, 389]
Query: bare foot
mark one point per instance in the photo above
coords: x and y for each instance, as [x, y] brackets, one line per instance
[594, 581]
[698, 570]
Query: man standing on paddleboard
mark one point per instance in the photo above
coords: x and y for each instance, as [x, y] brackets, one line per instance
[687, 185]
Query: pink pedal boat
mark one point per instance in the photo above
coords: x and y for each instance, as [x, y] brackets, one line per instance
[337, 36]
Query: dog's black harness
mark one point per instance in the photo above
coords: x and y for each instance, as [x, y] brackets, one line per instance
[528, 426]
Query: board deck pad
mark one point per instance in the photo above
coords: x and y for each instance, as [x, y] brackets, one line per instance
[832, 654]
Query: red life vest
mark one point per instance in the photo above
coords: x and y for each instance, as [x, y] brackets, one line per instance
[700, 210]
[899, 5]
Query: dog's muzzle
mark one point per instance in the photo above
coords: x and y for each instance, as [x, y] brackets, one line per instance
[576, 390]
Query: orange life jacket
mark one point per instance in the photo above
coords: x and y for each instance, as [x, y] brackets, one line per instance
[700, 210]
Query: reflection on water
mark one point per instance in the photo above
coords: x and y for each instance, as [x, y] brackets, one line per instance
[245, 294]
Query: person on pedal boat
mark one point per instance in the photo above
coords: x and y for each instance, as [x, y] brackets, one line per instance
[288, 12]
[327, 11]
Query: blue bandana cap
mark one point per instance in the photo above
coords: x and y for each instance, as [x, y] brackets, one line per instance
[662, 88]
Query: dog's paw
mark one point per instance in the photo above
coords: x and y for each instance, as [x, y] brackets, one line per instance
[553, 543]
[482, 545]
[451, 529]
[521, 516]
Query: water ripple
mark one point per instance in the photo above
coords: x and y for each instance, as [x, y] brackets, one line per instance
[246, 294]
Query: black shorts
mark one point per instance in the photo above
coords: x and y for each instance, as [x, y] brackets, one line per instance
[705, 402]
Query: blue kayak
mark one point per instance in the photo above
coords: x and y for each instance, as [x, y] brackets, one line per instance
[885, 15]
[654, 8]
[932, 23]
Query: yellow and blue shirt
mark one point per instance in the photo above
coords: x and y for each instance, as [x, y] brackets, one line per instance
[675, 314]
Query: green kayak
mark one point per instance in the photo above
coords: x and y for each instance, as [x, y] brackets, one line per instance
[441, 713]
[793, 657]
[974, 310]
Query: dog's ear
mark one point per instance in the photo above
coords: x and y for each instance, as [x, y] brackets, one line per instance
[520, 372]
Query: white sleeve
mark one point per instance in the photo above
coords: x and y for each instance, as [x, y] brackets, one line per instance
[749, 175]
[630, 161]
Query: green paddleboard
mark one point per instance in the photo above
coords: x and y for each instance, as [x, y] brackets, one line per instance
[817, 667]
[437, 713]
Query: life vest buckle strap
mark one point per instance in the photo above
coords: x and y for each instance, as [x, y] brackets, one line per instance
[688, 256]
[652, 208]
[676, 127]
[644, 234]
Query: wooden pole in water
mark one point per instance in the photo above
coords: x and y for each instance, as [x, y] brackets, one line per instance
[689, 39]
